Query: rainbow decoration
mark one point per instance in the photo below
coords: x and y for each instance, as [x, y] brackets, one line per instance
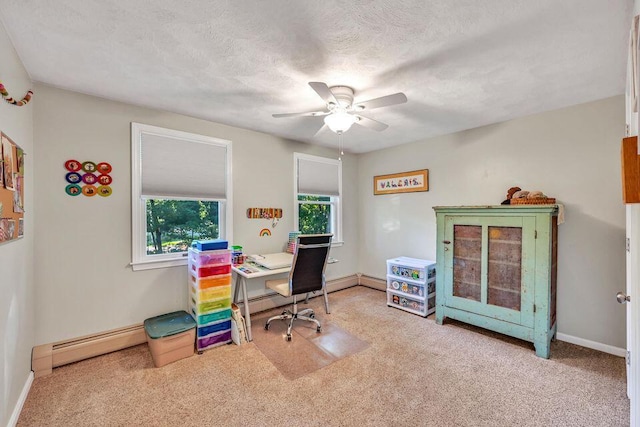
[12, 101]
[265, 232]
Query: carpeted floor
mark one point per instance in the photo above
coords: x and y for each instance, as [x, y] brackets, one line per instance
[413, 373]
[308, 350]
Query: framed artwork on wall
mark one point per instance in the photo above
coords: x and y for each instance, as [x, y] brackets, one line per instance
[404, 182]
[11, 190]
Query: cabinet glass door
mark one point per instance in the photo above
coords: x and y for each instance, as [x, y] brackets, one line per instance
[504, 277]
[484, 262]
[467, 261]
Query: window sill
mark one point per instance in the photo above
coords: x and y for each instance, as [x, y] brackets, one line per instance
[336, 244]
[165, 263]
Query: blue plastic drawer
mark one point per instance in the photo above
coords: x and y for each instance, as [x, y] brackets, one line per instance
[213, 328]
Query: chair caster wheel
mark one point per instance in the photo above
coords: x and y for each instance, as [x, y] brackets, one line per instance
[288, 337]
[200, 352]
[312, 316]
[319, 329]
[266, 326]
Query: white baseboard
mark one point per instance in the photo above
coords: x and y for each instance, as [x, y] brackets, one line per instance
[23, 398]
[372, 282]
[605, 348]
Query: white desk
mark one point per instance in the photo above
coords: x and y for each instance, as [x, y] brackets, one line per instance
[250, 270]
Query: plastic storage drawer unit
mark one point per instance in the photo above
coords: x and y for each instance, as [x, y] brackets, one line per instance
[411, 285]
[170, 337]
[210, 295]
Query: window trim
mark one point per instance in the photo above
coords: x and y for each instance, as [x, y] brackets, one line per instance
[139, 258]
[337, 234]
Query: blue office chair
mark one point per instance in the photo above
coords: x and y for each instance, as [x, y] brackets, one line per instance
[306, 275]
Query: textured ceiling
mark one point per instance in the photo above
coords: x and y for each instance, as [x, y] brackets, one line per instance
[461, 63]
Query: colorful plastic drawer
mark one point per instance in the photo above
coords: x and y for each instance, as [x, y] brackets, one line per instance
[210, 282]
[412, 305]
[203, 331]
[210, 270]
[407, 286]
[215, 316]
[200, 258]
[210, 294]
[206, 307]
[214, 340]
[420, 270]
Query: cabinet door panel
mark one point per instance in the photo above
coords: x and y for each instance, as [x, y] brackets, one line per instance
[483, 266]
[504, 282]
[467, 261]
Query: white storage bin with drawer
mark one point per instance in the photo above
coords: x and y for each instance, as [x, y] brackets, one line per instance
[411, 285]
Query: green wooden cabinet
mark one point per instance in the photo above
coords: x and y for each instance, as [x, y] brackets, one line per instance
[497, 268]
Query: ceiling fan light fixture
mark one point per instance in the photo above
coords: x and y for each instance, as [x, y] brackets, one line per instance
[340, 121]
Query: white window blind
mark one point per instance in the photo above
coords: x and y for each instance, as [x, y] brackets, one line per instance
[182, 168]
[318, 177]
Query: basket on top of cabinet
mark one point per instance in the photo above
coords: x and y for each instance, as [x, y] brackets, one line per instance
[411, 285]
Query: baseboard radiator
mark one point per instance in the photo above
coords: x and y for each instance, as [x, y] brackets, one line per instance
[48, 356]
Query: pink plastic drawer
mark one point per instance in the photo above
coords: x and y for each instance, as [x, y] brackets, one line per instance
[201, 258]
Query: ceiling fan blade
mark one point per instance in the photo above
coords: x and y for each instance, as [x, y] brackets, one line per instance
[325, 93]
[306, 114]
[370, 123]
[322, 129]
[383, 101]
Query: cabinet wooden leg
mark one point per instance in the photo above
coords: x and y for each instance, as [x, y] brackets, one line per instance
[542, 349]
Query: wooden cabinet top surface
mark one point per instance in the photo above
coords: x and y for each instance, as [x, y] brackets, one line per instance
[552, 209]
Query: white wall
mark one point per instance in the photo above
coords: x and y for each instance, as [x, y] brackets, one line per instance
[572, 154]
[83, 244]
[16, 257]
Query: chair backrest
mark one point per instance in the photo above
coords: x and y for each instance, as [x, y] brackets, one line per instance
[309, 262]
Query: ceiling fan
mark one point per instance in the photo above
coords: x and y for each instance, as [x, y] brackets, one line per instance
[341, 112]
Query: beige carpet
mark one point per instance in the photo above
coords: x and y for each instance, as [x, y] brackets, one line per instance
[308, 350]
[414, 373]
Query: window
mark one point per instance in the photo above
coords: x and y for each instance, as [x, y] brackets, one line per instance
[318, 189]
[181, 191]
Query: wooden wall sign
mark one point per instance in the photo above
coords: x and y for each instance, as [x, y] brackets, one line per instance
[264, 213]
[405, 182]
[630, 167]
